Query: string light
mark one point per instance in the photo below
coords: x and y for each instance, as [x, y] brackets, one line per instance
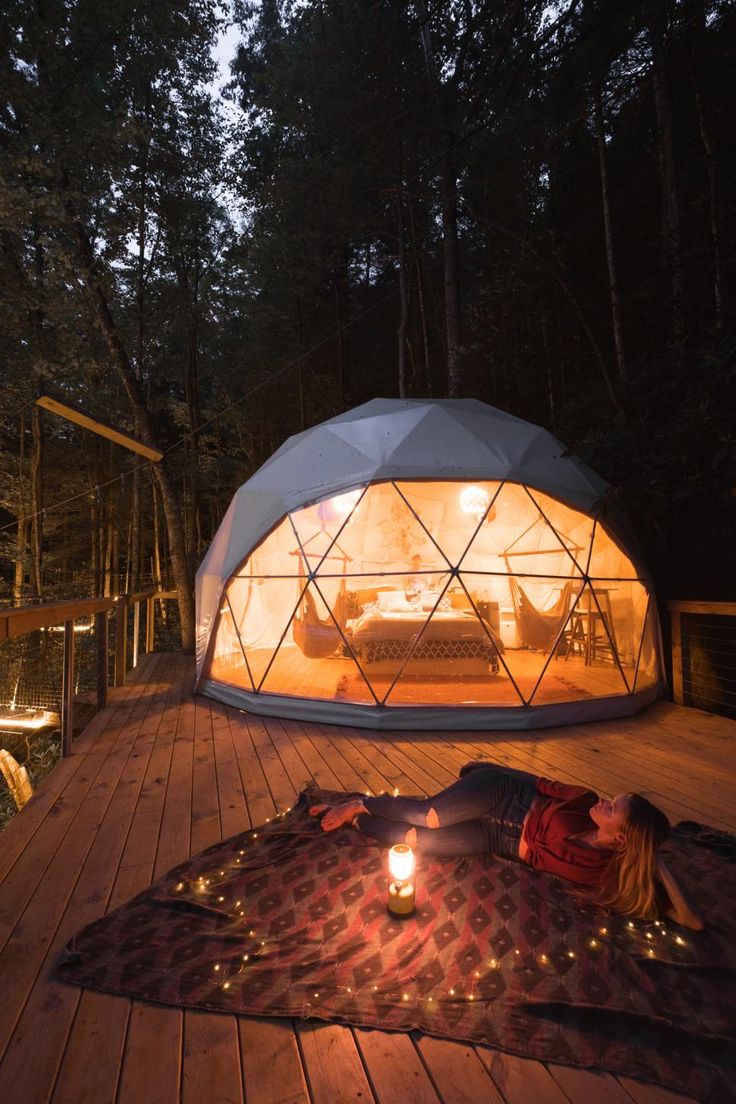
[679, 940]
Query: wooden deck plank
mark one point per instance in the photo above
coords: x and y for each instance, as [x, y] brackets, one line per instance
[458, 1072]
[158, 776]
[90, 1070]
[21, 878]
[397, 1072]
[154, 1071]
[211, 1067]
[72, 895]
[335, 1073]
[522, 1080]
[272, 1066]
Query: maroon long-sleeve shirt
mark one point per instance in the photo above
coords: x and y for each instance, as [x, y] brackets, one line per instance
[560, 812]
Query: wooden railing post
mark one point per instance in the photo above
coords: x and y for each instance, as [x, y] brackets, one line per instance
[121, 638]
[136, 630]
[150, 623]
[102, 645]
[67, 690]
[677, 694]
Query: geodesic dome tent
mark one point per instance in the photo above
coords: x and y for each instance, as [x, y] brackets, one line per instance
[426, 564]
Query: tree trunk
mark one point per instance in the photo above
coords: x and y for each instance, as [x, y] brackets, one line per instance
[191, 389]
[613, 292]
[37, 503]
[94, 525]
[715, 208]
[671, 232]
[403, 294]
[135, 532]
[144, 428]
[342, 303]
[21, 548]
[448, 192]
[420, 300]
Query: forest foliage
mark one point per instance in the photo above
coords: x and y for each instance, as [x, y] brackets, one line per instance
[530, 204]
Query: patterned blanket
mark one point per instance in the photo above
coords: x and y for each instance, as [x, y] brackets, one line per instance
[285, 920]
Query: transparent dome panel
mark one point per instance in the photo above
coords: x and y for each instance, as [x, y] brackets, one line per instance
[317, 527]
[527, 615]
[277, 554]
[458, 658]
[607, 560]
[384, 535]
[597, 650]
[227, 662]
[315, 659]
[451, 512]
[573, 529]
[262, 612]
[647, 673]
[516, 538]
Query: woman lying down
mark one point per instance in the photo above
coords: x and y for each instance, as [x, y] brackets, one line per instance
[606, 847]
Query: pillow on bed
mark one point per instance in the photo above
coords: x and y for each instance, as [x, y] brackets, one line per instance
[393, 601]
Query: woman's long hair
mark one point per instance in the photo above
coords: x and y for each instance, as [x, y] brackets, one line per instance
[630, 888]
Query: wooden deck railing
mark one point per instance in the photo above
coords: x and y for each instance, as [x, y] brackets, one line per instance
[19, 620]
[704, 655]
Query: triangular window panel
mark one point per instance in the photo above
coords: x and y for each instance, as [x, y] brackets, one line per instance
[275, 555]
[573, 529]
[585, 662]
[455, 660]
[451, 511]
[516, 539]
[262, 611]
[528, 616]
[227, 661]
[607, 560]
[387, 623]
[317, 528]
[647, 673]
[315, 659]
[383, 536]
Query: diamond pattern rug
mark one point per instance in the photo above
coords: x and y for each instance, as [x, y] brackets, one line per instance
[285, 920]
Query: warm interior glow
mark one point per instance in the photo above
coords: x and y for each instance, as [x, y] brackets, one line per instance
[410, 602]
[401, 862]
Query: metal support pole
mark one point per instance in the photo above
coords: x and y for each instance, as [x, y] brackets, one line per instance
[67, 690]
[150, 624]
[101, 637]
[136, 630]
[121, 639]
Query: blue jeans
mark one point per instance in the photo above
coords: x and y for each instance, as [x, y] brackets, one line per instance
[480, 813]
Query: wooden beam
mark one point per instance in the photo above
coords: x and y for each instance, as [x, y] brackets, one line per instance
[23, 619]
[119, 436]
[721, 609]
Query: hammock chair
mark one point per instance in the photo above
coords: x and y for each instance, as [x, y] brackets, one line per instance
[539, 629]
[318, 638]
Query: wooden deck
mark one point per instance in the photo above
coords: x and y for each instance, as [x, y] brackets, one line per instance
[158, 776]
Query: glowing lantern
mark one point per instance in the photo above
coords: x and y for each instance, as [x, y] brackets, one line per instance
[401, 895]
